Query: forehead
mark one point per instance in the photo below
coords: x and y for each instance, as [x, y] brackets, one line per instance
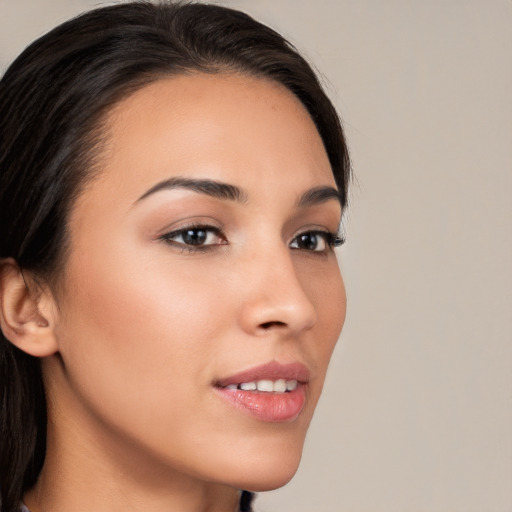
[235, 128]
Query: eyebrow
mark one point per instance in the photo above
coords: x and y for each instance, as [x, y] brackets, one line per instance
[319, 195]
[220, 190]
[211, 188]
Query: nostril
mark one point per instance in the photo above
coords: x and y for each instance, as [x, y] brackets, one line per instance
[268, 325]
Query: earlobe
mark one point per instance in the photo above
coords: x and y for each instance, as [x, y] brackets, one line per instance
[27, 313]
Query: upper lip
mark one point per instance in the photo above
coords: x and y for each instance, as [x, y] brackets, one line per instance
[269, 371]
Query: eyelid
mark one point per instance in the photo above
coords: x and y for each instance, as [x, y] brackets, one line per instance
[192, 221]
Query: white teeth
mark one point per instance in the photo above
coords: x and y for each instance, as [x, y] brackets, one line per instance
[291, 385]
[248, 386]
[267, 386]
[280, 386]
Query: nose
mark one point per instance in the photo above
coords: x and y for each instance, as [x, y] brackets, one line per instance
[275, 298]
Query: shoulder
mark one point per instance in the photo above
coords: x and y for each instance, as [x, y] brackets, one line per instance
[22, 508]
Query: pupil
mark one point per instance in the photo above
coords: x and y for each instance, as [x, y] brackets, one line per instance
[194, 236]
[308, 241]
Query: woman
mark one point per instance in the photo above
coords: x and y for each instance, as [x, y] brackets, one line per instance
[172, 183]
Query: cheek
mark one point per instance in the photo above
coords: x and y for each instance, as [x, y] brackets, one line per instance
[138, 332]
[326, 290]
[324, 287]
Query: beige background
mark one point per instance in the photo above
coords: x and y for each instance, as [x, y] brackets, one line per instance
[417, 413]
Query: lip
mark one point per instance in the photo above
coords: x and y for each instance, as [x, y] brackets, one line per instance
[271, 371]
[268, 406]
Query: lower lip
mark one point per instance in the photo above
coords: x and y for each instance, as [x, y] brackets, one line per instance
[270, 407]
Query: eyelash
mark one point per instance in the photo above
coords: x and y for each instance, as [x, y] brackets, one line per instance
[332, 240]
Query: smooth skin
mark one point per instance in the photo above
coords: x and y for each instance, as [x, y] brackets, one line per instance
[146, 319]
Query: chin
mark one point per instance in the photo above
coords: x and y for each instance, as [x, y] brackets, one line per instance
[260, 474]
[270, 482]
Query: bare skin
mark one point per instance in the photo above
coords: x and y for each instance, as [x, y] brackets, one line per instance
[147, 322]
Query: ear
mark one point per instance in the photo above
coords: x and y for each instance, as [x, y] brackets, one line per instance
[27, 312]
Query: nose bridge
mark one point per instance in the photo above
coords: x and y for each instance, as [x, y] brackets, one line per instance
[276, 298]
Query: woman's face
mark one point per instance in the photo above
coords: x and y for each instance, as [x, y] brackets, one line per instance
[200, 263]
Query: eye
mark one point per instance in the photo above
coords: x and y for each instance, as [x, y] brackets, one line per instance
[195, 237]
[316, 241]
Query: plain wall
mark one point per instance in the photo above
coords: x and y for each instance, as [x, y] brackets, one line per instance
[417, 410]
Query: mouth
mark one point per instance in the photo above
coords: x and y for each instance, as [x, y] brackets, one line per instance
[272, 392]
